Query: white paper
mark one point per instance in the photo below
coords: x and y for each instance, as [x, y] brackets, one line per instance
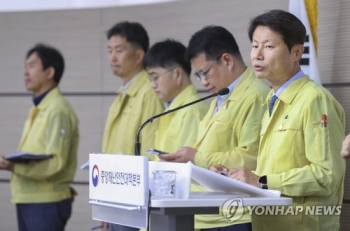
[219, 183]
[85, 165]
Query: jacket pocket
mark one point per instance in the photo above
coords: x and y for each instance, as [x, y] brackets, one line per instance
[288, 140]
[322, 148]
[223, 132]
[288, 126]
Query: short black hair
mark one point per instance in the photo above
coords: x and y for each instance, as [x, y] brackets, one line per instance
[212, 41]
[167, 54]
[133, 32]
[50, 57]
[282, 22]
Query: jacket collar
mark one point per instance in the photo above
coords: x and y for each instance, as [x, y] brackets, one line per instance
[140, 80]
[291, 91]
[246, 80]
[52, 94]
[181, 98]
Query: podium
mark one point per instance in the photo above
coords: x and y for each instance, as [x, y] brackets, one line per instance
[120, 192]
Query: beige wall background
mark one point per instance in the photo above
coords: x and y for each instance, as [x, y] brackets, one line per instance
[90, 86]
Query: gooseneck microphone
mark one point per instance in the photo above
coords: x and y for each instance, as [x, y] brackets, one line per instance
[223, 91]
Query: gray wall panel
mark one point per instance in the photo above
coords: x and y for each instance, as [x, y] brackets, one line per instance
[80, 35]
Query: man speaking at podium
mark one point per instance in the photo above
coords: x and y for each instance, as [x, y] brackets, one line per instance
[169, 74]
[301, 132]
[136, 101]
[229, 133]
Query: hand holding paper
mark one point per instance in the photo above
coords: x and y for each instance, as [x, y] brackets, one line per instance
[244, 175]
[218, 168]
[182, 155]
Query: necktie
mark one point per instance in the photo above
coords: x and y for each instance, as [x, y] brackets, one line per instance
[272, 103]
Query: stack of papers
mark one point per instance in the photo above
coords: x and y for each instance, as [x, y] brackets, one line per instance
[26, 157]
[219, 183]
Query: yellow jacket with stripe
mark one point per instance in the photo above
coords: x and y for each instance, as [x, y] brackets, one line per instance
[231, 136]
[301, 158]
[180, 128]
[52, 128]
[127, 113]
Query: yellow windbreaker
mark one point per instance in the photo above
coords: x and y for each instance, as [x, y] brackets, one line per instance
[231, 136]
[301, 158]
[52, 128]
[127, 114]
[180, 128]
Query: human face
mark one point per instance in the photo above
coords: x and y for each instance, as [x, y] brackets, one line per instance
[36, 79]
[201, 74]
[214, 78]
[163, 82]
[123, 57]
[271, 58]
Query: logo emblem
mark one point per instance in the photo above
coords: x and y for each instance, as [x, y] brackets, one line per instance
[95, 175]
[232, 210]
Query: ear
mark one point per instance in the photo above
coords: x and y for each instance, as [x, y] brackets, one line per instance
[297, 51]
[178, 75]
[50, 72]
[140, 54]
[228, 60]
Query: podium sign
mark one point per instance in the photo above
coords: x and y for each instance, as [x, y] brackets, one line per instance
[120, 185]
[119, 179]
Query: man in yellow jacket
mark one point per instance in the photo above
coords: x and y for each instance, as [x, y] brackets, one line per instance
[229, 133]
[301, 133]
[136, 101]
[169, 74]
[40, 189]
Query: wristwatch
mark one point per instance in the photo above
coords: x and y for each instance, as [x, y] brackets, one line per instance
[263, 182]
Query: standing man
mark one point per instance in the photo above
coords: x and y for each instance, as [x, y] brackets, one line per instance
[136, 101]
[229, 133]
[169, 74]
[301, 132]
[40, 189]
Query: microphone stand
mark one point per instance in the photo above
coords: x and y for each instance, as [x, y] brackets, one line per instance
[223, 91]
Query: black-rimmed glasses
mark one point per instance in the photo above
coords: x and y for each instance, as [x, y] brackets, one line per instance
[201, 75]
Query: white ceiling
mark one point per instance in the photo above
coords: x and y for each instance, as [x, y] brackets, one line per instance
[38, 5]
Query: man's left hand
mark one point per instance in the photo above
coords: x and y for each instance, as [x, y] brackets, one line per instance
[245, 175]
[182, 155]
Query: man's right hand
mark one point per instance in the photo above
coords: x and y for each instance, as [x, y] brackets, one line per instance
[5, 164]
[218, 168]
[345, 151]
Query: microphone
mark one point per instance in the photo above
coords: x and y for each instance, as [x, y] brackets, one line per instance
[223, 91]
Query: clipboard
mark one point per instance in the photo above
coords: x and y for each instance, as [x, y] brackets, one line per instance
[22, 157]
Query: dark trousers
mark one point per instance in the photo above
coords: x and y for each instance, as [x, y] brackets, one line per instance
[239, 227]
[44, 216]
[116, 227]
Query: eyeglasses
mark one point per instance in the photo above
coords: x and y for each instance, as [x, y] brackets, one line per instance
[155, 79]
[201, 75]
